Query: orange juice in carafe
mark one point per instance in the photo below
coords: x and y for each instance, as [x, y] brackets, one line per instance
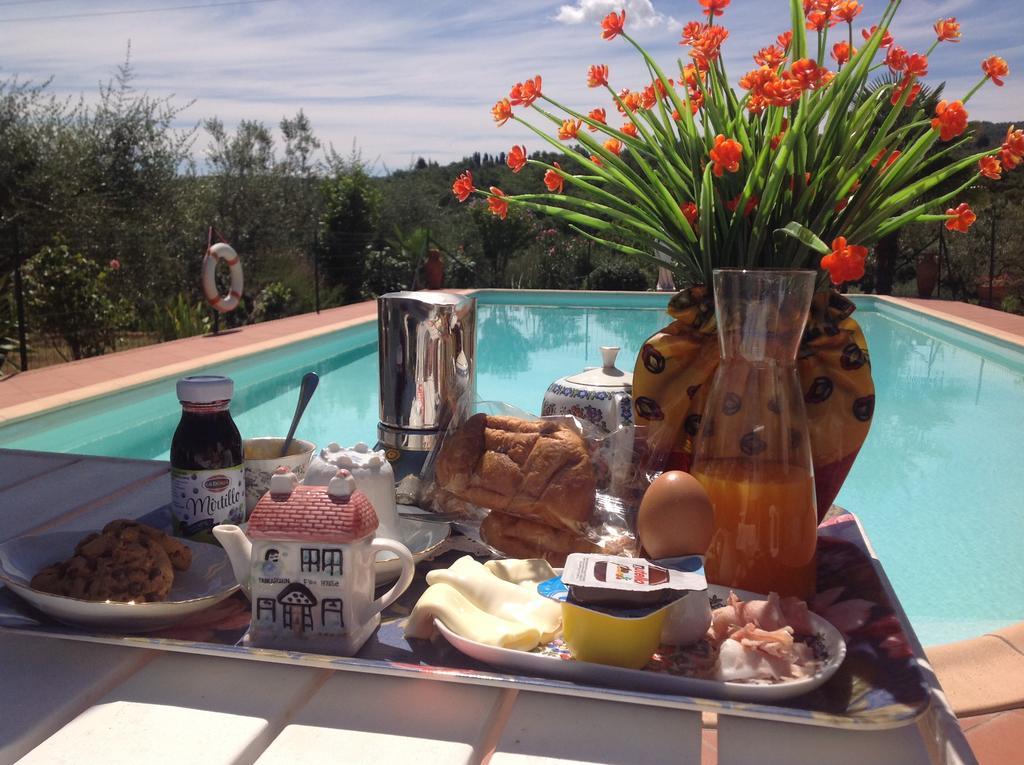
[765, 527]
[753, 451]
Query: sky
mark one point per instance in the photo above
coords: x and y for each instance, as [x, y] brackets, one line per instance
[402, 80]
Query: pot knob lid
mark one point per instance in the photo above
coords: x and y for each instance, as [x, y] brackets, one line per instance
[606, 376]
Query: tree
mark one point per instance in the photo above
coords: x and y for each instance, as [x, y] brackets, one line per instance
[348, 224]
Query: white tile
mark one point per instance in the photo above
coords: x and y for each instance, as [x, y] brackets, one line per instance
[47, 682]
[28, 505]
[742, 741]
[20, 466]
[357, 718]
[545, 728]
[182, 709]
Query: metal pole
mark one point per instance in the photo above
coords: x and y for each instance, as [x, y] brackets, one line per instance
[19, 301]
[992, 259]
[316, 273]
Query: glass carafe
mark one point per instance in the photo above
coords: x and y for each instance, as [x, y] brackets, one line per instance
[752, 452]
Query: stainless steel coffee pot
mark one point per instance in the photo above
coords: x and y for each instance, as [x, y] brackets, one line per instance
[427, 356]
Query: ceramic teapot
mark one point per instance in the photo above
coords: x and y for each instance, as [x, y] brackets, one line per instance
[599, 395]
[306, 561]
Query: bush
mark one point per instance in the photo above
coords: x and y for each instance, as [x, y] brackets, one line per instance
[72, 297]
[620, 274]
[273, 302]
[178, 318]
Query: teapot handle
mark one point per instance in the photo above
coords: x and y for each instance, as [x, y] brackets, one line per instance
[404, 579]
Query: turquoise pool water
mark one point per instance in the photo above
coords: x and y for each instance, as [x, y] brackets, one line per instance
[936, 485]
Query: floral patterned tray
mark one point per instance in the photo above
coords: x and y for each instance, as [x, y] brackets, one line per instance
[879, 685]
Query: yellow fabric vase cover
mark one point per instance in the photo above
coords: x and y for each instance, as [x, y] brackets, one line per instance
[675, 366]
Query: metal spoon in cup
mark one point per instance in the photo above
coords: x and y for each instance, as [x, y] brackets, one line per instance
[306, 388]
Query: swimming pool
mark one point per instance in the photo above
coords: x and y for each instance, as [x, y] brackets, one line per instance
[935, 485]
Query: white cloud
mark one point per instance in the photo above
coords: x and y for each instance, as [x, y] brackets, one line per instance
[639, 13]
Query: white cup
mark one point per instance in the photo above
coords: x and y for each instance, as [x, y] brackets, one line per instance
[261, 460]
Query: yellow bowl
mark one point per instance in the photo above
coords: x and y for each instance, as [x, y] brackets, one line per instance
[605, 639]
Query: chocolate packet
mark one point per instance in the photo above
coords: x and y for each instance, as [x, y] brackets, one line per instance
[619, 582]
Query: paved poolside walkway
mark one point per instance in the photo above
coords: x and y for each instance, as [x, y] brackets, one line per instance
[40, 389]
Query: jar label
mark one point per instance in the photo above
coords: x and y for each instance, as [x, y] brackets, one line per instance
[202, 499]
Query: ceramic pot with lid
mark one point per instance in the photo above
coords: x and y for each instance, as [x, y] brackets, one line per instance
[601, 395]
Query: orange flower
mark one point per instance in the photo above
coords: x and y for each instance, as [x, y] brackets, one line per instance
[917, 65]
[897, 92]
[886, 36]
[554, 180]
[990, 167]
[714, 7]
[696, 102]
[496, 204]
[596, 160]
[597, 115]
[842, 52]
[896, 59]
[782, 91]
[748, 208]
[525, 93]
[848, 10]
[629, 129]
[961, 218]
[502, 111]
[950, 119]
[709, 45]
[772, 56]
[996, 68]
[888, 163]
[785, 38]
[948, 30]
[691, 74]
[689, 211]
[517, 158]
[807, 72]
[819, 21]
[647, 98]
[846, 261]
[463, 186]
[569, 129]
[631, 100]
[1012, 152]
[726, 154]
[597, 76]
[614, 145]
[692, 33]
[612, 25]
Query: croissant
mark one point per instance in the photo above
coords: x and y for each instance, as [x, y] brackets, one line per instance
[535, 476]
[538, 470]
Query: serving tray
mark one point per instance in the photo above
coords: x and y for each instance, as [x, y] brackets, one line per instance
[879, 685]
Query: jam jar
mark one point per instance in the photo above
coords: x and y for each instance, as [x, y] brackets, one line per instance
[207, 476]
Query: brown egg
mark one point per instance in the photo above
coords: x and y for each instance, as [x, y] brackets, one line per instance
[675, 517]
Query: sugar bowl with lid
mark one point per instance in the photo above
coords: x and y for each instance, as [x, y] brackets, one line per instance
[601, 395]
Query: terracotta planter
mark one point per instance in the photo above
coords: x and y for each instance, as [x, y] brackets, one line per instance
[927, 275]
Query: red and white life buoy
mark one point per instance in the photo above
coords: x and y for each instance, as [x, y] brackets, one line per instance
[225, 252]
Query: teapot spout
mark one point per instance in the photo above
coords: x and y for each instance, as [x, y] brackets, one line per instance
[239, 549]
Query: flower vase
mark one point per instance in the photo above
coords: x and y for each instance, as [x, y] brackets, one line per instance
[752, 452]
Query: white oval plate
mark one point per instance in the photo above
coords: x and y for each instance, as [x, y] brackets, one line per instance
[421, 537]
[525, 662]
[208, 581]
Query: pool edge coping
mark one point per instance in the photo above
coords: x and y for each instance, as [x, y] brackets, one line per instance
[957, 321]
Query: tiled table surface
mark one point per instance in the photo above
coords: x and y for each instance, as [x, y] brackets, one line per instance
[73, 702]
